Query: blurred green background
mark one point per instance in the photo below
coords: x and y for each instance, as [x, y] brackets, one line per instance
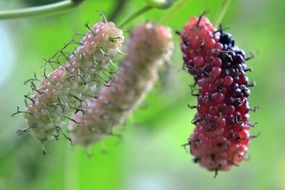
[149, 157]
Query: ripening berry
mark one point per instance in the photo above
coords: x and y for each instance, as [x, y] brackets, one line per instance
[64, 91]
[221, 137]
[149, 47]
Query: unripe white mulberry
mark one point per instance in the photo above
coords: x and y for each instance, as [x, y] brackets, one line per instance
[149, 47]
[64, 91]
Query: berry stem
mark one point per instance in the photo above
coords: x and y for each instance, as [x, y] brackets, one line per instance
[119, 7]
[43, 10]
[135, 15]
[178, 7]
[157, 4]
[223, 9]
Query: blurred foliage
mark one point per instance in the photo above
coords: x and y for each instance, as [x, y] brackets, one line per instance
[149, 156]
[39, 2]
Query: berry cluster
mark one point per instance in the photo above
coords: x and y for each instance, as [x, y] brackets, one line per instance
[221, 137]
[149, 47]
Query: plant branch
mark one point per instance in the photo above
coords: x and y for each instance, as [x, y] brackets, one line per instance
[43, 10]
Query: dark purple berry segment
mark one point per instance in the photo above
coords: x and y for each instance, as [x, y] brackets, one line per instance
[221, 137]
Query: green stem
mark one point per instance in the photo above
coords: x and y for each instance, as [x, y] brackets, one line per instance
[40, 10]
[222, 12]
[176, 9]
[135, 14]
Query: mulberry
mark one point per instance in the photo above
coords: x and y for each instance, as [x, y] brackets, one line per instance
[221, 137]
[64, 91]
[149, 47]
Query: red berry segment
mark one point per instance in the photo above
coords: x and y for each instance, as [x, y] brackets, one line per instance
[199, 47]
[221, 137]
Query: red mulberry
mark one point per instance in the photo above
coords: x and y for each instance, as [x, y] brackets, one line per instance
[221, 137]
